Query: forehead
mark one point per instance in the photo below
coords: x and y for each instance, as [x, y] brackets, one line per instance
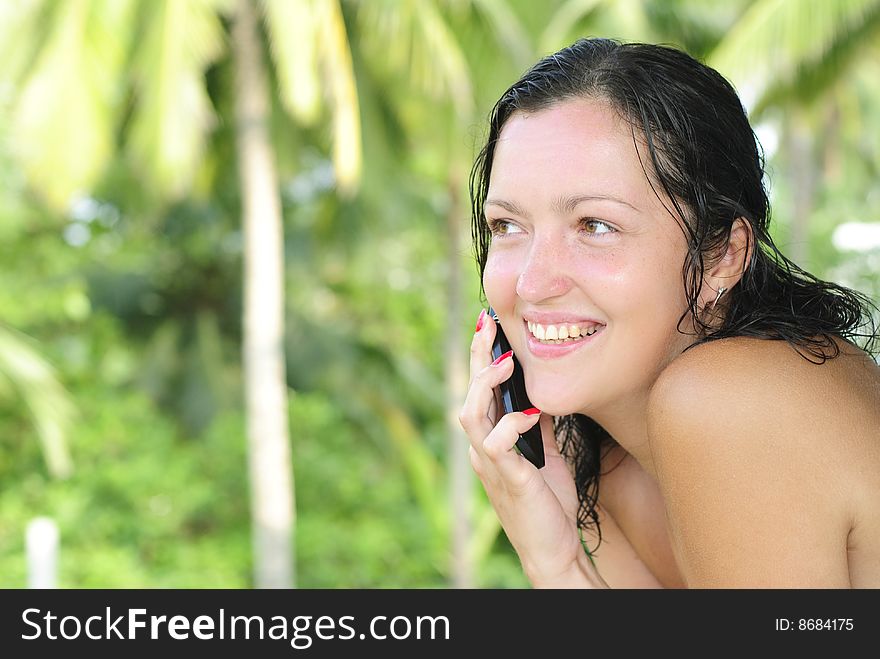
[583, 120]
[579, 145]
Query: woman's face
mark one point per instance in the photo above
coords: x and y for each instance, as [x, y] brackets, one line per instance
[580, 239]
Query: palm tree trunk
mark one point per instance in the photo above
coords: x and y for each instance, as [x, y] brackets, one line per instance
[269, 461]
[804, 180]
[460, 475]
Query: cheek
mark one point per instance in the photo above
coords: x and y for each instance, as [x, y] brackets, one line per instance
[649, 295]
[605, 274]
[500, 276]
[641, 295]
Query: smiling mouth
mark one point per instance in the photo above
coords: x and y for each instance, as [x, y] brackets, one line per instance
[563, 333]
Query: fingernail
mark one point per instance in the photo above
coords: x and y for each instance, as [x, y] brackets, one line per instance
[532, 411]
[502, 357]
[480, 320]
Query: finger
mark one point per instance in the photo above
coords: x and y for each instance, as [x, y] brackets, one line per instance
[478, 462]
[481, 345]
[499, 447]
[475, 413]
[481, 356]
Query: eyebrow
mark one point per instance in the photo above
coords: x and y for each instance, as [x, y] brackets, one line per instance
[509, 206]
[565, 205]
[562, 205]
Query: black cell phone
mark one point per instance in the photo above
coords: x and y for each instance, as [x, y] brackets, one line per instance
[514, 398]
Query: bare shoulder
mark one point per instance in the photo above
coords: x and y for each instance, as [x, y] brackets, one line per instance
[754, 391]
[758, 450]
[775, 356]
[759, 378]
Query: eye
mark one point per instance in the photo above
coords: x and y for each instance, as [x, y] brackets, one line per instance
[502, 227]
[594, 227]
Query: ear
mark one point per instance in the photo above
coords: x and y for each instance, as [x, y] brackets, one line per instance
[726, 271]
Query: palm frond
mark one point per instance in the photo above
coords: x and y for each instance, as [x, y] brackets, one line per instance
[557, 33]
[440, 47]
[25, 28]
[815, 78]
[509, 30]
[776, 42]
[312, 57]
[335, 55]
[63, 120]
[33, 379]
[291, 28]
[414, 38]
[173, 114]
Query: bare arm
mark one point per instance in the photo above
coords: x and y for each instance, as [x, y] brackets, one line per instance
[615, 558]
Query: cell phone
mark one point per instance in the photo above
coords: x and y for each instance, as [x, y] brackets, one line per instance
[514, 398]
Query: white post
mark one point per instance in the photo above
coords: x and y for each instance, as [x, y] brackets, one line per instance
[41, 542]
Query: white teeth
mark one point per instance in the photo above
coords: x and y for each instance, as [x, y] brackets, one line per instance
[560, 332]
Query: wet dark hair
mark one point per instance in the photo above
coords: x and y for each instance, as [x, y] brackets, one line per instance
[704, 160]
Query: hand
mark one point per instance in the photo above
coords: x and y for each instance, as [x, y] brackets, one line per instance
[537, 507]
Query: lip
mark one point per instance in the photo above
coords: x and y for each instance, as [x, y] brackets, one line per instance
[546, 318]
[550, 351]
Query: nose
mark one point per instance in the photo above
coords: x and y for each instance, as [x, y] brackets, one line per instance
[544, 273]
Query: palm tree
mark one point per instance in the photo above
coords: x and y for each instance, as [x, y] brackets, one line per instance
[86, 71]
[812, 48]
[269, 459]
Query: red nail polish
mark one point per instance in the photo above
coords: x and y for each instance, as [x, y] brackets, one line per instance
[532, 411]
[480, 320]
[502, 357]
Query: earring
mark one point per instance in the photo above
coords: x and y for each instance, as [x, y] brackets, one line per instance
[721, 292]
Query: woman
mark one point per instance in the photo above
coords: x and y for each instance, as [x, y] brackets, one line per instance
[707, 419]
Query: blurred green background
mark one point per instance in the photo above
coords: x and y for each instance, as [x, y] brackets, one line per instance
[136, 146]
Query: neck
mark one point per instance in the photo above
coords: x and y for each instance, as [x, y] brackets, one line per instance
[626, 419]
[626, 422]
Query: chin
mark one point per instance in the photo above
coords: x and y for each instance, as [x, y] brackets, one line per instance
[556, 405]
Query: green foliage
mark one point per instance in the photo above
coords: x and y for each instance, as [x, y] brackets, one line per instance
[149, 508]
[135, 302]
[357, 523]
[145, 508]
